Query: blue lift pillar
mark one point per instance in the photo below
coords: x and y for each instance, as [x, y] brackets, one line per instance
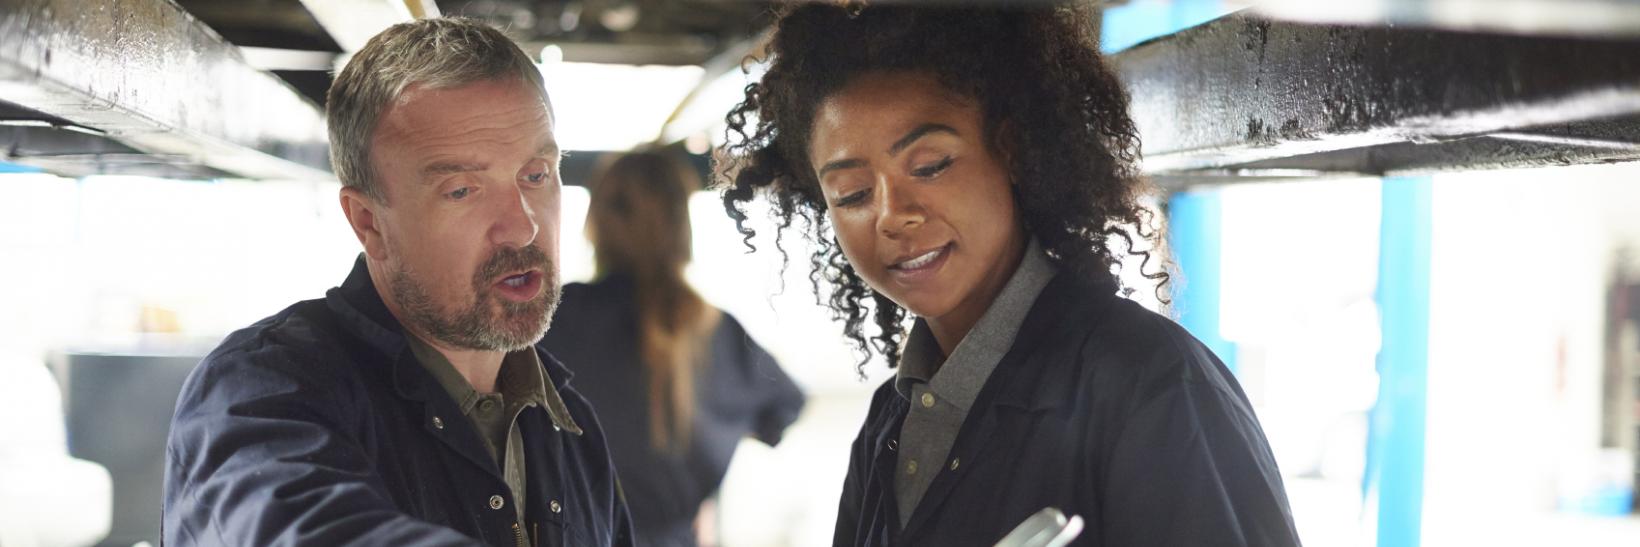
[6, 167]
[1138, 20]
[1394, 478]
[1194, 220]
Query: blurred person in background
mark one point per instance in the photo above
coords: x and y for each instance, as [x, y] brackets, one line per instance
[974, 170]
[677, 382]
[411, 405]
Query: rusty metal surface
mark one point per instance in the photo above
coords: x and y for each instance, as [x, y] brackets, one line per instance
[1244, 94]
[74, 154]
[152, 77]
[1594, 141]
[56, 145]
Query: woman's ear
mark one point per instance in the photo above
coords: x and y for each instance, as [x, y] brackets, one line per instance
[1005, 142]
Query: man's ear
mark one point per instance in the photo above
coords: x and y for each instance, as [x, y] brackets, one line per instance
[361, 210]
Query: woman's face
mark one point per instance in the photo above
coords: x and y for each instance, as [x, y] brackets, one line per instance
[920, 203]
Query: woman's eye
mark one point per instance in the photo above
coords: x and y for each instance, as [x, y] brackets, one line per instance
[931, 170]
[460, 192]
[536, 178]
[850, 199]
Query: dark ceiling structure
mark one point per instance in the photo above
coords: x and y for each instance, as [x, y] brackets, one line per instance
[1288, 89]
[637, 32]
[1247, 98]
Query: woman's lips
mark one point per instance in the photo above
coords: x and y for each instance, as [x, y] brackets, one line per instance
[919, 268]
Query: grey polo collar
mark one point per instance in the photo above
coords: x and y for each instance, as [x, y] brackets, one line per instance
[960, 378]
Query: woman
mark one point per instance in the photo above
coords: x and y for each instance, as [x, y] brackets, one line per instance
[676, 382]
[976, 169]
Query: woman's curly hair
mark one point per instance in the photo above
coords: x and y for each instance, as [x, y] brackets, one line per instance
[1048, 99]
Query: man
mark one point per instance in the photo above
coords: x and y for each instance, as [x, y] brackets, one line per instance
[410, 406]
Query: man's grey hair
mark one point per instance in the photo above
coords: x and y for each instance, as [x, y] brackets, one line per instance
[431, 53]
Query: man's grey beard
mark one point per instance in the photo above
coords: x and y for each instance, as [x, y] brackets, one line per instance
[517, 326]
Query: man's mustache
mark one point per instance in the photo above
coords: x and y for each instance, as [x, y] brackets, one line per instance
[511, 259]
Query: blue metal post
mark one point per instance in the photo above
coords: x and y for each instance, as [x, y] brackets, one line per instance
[1129, 24]
[1194, 219]
[1395, 443]
[7, 167]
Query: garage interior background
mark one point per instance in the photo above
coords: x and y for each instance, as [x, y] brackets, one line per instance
[1409, 225]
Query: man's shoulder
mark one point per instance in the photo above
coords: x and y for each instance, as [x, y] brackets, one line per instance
[307, 328]
[303, 345]
[293, 364]
[592, 442]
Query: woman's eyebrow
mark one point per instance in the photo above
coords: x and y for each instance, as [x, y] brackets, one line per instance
[838, 164]
[920, 132]
[893, 149]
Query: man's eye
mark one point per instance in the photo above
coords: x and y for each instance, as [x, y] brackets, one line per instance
[536, 177]
[460, 192]
[932, 170]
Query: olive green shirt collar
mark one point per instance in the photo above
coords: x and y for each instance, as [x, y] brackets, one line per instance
[522, 379]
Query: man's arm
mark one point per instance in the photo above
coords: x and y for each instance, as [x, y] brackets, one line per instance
[257, 456]
[781, 399]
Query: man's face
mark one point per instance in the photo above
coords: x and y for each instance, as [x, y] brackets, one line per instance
[469, 230]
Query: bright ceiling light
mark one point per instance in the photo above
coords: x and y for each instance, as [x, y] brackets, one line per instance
[706, 109]
[614, 107]
[551, 54]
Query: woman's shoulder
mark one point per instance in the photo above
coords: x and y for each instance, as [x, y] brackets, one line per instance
[1121, 347]
[572, 294]
[1132, 332]
[886, 409]
[728, 323]
[599, 293]
[588, 317]
[732, 346]
[583, 289]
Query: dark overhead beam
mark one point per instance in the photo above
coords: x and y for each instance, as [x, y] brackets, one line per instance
[152, 77]
[1592, 141]
[1614, 18]
[1244, 93]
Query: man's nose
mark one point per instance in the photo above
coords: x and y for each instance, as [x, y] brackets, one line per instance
[515, 224]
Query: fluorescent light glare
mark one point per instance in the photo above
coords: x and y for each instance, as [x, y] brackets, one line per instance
[614, 107]
[552, 55]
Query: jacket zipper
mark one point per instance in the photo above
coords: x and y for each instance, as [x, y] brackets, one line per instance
[518, 534]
